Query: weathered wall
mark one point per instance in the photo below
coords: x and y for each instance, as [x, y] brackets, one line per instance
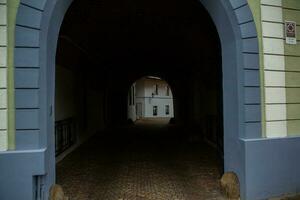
[144, 90]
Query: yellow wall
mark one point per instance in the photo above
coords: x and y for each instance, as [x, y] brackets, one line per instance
[3, 76]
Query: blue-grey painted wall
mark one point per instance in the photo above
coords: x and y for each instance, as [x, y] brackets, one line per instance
[272, 167]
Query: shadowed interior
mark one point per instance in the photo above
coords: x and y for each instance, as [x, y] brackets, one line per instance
[105, 46]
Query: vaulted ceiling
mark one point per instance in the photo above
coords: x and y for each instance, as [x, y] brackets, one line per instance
[135, 30]
[133, 38]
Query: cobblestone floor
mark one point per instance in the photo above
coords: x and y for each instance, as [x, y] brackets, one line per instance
[288, 198]
[143, 164]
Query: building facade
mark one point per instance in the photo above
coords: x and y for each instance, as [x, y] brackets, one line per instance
[152, 98]
[261, 94]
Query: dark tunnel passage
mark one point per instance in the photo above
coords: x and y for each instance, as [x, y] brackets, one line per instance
[103, 48]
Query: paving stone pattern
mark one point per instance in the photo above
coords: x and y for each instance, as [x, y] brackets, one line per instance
[141, 163]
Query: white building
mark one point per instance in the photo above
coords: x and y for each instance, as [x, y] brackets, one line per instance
[150, 97]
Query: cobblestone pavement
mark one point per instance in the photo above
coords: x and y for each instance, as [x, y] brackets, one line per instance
[142, 164]
[294, 198]
[289, 198]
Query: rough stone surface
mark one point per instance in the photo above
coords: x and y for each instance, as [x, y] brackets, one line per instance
[56, 193]
[141, 163]
[230, 185]
[292, 198]
[287, 198]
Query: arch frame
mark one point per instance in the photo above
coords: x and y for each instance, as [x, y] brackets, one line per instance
[37, 29]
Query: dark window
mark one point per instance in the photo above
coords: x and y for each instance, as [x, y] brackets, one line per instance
[168, 91]
[154, 110]
[133, 95]
[167, 109]
[130, 96]
[155, 88]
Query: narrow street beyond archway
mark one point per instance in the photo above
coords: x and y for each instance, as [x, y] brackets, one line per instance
[141, 162]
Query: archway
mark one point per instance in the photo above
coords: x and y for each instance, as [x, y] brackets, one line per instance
[237, 33]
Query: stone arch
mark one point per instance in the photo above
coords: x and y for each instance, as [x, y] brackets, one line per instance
[37, 28]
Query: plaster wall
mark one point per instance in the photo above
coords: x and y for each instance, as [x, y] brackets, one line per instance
[273, 68]
[279, 64]
[160, 103]
[131, 108]
[3, 77]
[145, 95]
[291, 12]
[131, 112]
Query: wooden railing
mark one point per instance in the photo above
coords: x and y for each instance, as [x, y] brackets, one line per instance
[65, 135]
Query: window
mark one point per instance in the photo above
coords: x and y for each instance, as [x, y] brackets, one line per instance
[154, 110]
[167, 91]
[155, 89]
[133, 95]
[167, 108]
[130, 96]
